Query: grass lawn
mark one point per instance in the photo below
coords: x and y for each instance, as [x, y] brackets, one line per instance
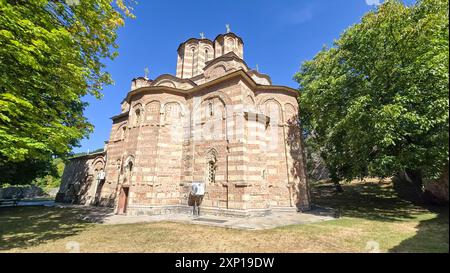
[371, 211]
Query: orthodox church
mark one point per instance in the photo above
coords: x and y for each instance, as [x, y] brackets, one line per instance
[217, 123]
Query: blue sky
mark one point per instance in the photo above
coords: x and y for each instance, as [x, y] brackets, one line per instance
[277, 35]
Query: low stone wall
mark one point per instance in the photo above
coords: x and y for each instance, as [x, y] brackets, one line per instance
[22, 192]
[139, 210]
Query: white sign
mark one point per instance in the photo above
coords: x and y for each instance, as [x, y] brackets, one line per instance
[198, 189]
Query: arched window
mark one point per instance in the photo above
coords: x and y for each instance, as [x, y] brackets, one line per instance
[193, 65]
[211, 109]
[129, 170]
[211, 172]
[128, 166]
[137, 116]
[211, 166]
[100, 174]
[206, 55]
[231, 44]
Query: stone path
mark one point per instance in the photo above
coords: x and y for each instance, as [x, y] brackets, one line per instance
[104, 215]
[276, 219]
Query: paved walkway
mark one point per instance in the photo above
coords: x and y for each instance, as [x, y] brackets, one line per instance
[276, 219]
[106, 216]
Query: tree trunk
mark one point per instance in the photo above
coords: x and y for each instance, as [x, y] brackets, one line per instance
[335, 180]
[415, 178]
[338, 186]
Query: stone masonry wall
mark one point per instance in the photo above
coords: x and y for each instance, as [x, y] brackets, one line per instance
[259, 165]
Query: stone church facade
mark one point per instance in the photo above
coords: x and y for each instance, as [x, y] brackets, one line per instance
[217, 122]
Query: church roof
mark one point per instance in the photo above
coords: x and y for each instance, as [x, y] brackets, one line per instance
[226, 57]
[238, 73]
[195, 39]
[229, 34]
[206, 40]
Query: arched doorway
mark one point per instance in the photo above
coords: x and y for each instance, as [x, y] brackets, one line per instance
[123, 200]
[100, 181]
[125, 189]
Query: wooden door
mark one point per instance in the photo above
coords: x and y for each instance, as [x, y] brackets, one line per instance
[123, 200]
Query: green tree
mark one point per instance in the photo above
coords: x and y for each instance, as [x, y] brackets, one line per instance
[24, 172]
[51, 55]
[377, 102]
[53, 178]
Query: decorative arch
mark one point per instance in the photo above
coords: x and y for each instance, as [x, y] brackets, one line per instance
[289, 111]
[230, 43]
[207, 52]
[173, 111]
[128, 166]
[99, 166]
[226, 100]
[152, 110]
[173, 82]
[213, 97]
[98, 160]
[167, 83]
[193, 50]
[120, 132]
[216, 71]
[271, 107]
[137, 114]
[249, 103]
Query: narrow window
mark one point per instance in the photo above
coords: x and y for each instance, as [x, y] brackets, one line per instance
[211, 109]
[129, 169]
[119, 167]
[138, 116]
[211, 166]
[193, 51]
[206, 55]
[211, 172]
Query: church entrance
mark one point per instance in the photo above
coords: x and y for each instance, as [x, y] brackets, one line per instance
[123, 200]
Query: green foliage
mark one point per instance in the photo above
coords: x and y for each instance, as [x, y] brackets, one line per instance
[42, 173]
[53, 178]
[51, 55]
[24, 172]
[377, 102]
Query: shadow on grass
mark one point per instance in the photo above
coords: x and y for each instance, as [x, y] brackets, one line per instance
[389, 201]
[432, 234]
[368, 200]
[377, 200]
[22, 227]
